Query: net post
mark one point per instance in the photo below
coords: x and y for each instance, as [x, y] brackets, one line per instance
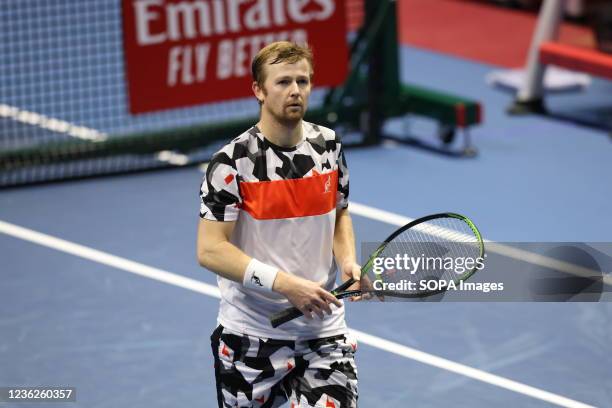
[373, 116]
[383, 71]
[390, 50]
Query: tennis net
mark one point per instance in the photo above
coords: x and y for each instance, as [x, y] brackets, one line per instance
[64, 106]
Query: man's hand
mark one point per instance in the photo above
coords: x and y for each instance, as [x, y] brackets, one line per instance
[308, 296]
[353, 270]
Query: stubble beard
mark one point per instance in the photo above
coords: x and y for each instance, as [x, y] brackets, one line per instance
[287, 119]
[284, 118]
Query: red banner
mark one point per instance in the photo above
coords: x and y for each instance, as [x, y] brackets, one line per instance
[187, 52]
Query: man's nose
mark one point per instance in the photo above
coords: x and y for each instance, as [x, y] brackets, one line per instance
[294, 89]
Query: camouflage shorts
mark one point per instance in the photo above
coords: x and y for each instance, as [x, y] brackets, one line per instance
[265, 373]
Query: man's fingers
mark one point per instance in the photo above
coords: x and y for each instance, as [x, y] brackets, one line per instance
[367, 287]
[355, 286]
[326, 307]
[320, 306]
[359, 285]
[356, 274]
[331, 298]
[371, 288]
[317, 308]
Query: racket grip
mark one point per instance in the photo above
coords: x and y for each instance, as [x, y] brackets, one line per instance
[291, 313]
[285, 316]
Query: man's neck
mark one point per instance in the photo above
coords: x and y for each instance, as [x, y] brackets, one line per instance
[284, 135]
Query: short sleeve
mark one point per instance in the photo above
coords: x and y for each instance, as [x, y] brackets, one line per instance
[219, 192]
[343, 181]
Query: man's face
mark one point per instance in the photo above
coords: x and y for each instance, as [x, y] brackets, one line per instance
[285, 91]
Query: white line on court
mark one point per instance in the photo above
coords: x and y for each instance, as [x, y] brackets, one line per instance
[210, 290]
[467, 371]
[108, 259]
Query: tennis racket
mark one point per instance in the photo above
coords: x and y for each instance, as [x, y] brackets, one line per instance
[431, 252]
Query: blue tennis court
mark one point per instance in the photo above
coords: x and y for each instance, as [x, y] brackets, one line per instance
[101, 290]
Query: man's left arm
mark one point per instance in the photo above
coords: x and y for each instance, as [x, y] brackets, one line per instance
[344, 248]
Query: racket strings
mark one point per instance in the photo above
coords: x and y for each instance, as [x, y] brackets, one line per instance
[433, 250]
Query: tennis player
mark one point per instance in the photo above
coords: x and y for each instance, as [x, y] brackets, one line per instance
[273, 218]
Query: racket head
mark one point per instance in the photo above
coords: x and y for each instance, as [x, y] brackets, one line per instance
[449, 245]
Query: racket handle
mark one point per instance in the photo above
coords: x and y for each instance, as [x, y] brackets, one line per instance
[344, 286]
[285, 316]
[291, 313]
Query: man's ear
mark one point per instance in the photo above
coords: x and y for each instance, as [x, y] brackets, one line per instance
[257, 91]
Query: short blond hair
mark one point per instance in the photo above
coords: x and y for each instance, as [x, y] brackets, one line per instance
[277, 52]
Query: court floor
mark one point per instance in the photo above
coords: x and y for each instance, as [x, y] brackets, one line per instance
[100, 288]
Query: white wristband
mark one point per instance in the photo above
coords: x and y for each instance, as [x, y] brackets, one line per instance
[259, 276]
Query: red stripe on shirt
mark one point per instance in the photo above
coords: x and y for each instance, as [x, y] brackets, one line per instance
[268, 200]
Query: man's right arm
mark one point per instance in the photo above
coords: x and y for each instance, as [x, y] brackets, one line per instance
[219, 255]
